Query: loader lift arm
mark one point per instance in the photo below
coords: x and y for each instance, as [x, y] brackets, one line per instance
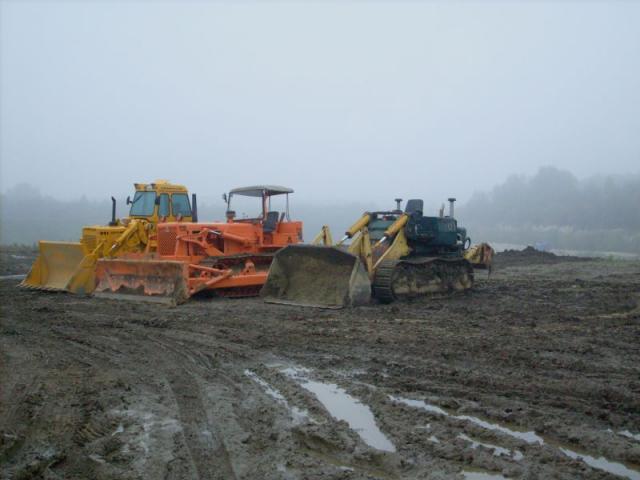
[70, 266]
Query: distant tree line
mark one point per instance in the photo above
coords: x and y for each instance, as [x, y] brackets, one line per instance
[26, 215]
[600, 213]
[553, 207]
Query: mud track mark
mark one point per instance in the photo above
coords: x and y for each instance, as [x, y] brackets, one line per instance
[205, 446]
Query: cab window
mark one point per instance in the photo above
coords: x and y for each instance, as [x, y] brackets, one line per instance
[180, 205]
[163, 208]
[143, 204]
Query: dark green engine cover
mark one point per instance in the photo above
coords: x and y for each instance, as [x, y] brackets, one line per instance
[435, 235]
[426, 236]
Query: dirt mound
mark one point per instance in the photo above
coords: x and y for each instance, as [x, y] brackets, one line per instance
[531, 256]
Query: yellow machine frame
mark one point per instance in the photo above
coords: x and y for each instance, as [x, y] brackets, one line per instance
[70, 266]
[361, 246]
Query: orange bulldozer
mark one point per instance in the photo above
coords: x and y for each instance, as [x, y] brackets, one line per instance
[229, 258]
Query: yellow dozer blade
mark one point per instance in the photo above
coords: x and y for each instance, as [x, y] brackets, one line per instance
[316, 276]
[480, 256]
[148, 280]
[61, 266]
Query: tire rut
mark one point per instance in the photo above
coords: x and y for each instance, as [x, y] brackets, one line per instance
[206, 447]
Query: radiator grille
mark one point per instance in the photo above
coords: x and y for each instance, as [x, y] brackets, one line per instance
[166, 241]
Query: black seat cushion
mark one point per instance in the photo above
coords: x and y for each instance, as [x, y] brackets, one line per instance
[271, 222]
[415, 205]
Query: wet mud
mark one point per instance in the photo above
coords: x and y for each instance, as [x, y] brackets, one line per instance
[535, 373]
[16, 259]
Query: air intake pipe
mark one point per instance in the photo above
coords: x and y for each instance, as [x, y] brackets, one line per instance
[451, 202]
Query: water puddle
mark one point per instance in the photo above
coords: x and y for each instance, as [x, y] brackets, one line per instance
[12, 277]
[298, 416]
[297, 373]
[423, 427]
[343, 406]
[497, 450]
[625, 433]
[354, 372]
[628, 434]
[97, 458]
[481, 475]
[600, 463]
[527, 436]
[420, 404]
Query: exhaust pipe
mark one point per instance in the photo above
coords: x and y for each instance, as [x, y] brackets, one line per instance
[113, 212]
[194, 208]
[451, 202]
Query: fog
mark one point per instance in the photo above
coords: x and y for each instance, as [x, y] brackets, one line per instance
[355, 102]
[352, 104]
[551, 209]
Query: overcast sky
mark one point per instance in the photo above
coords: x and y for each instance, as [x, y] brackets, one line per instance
[362, 101]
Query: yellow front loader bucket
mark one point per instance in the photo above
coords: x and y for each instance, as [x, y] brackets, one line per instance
[61, 266]
[316, 276]
[161, 281]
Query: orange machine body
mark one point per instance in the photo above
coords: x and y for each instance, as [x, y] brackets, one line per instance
[231, 257]
[244, 248]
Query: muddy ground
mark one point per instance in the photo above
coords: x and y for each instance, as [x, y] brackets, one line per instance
[16, 259]
[533, 374]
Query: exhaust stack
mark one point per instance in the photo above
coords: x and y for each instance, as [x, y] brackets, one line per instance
[113, 212]
[194, 208]
[451, 202]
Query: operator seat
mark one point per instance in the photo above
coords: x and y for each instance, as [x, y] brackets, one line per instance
[271, 222]
[414, 206]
